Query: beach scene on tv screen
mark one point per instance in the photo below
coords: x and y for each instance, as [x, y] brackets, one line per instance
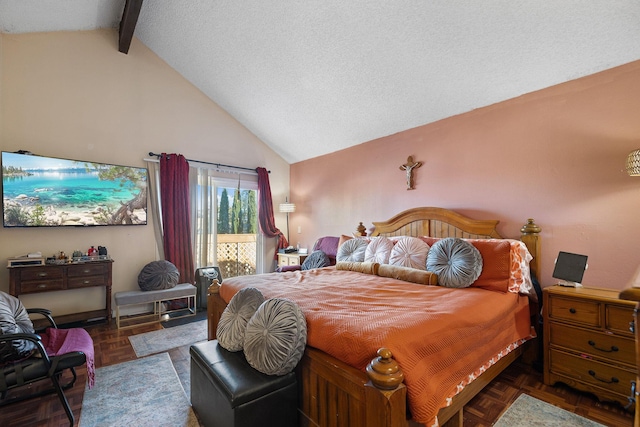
[47, 192]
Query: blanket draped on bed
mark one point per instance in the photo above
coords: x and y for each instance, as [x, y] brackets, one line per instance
[441, 337]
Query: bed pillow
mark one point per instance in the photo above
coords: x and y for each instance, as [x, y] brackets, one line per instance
[352, 250]
[496, 264]
[378, 250]
[14, 319]
[234, 318]
[409, 252]
[520, 278]
[158, 275]
[456, 262]
[408, 274]
[317, 259]
[276, 336]
[359, 267]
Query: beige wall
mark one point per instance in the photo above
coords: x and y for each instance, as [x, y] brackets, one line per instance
[556, 155]
[73, 95]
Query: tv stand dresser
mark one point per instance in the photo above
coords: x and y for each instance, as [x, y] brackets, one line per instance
[60, 277]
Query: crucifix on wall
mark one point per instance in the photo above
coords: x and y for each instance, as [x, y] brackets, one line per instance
[409, 167]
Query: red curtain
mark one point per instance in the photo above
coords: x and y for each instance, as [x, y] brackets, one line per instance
[265, 211]
[176, 217]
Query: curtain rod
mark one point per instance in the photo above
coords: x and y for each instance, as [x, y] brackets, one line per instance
[210, 163]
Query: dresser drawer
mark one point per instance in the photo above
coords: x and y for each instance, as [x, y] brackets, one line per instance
[591, 372]
[40, 273]
[86, 270]
[42, 286]
[84, 282]
[592, 343]
[619, 319]
[582, 312]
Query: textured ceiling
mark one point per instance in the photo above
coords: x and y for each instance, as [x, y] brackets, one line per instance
[313, 77]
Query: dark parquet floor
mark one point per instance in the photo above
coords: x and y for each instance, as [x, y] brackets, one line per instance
[112, 346]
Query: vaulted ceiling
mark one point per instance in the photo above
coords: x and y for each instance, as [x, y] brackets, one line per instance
[312, 77]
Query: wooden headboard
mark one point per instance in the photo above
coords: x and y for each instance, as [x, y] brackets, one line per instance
[440, 222]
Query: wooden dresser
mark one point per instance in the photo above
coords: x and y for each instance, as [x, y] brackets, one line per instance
[48, 278]
[588, 341]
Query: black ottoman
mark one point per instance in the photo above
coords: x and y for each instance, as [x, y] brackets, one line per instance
[227, 392]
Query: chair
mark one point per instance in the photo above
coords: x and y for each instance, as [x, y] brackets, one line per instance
[326, 244]
[38, 365]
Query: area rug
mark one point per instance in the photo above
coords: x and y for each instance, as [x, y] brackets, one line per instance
[166, 339]
[528, 411]
[141, 392]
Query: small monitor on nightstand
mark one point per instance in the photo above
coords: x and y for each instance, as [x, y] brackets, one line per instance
[570, 269]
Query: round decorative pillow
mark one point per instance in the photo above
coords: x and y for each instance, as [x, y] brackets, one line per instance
[456, 262]
[234, 318]
[317, 259]
[14, 319]
[409, 252]
[276, 336]
[158, 275]
[378, 250]
[352, 250]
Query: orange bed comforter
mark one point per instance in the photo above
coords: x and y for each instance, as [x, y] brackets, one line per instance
[441, 337]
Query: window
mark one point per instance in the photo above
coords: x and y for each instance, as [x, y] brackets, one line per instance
[225, 222]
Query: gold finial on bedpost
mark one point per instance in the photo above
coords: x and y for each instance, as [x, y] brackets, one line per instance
[530, 227]
[384, 372]
[531, 237]
[361, 230]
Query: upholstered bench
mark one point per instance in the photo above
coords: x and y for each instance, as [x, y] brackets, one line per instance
[155, 297]
[227, 392]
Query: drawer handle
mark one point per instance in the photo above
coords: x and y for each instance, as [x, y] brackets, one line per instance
[631, 398]
[86, 282]
[613, 380]
[572, 310]
[632, 327]
[43, 274]
[613, 348]
[42, 286]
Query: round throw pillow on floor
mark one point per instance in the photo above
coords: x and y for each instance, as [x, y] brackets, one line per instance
[234, 318]
[158, 275]
[276, 336]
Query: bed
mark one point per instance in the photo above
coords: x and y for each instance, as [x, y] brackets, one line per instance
[335, 387]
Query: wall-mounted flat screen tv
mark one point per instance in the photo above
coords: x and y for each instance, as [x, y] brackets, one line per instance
[40, 191]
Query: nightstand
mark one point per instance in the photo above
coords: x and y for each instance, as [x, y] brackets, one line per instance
[292, 258]
[588, 343]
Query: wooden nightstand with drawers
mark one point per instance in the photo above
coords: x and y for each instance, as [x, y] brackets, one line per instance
[293, 258]
[588, 341]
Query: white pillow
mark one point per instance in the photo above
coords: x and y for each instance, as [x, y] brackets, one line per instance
[352, 250]
[378, 250]
[410, 252]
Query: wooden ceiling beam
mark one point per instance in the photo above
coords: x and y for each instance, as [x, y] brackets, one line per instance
[128, 24]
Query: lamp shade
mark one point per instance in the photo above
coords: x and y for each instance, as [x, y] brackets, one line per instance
[633, 163]
[287, 207]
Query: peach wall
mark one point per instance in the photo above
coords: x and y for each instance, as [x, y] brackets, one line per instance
[556, 155]
[73, 95]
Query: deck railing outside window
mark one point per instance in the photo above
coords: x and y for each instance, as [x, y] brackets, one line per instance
[236, 254]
